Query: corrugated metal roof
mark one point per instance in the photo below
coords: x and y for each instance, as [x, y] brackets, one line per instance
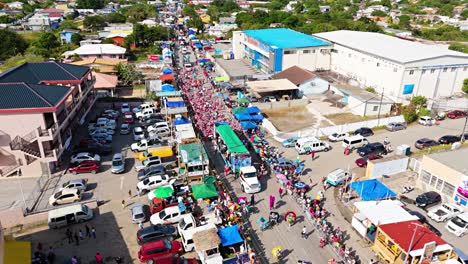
[284, 38]
[43, 71]
[22, 95]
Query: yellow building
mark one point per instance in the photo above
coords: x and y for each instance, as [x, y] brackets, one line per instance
[205, 18]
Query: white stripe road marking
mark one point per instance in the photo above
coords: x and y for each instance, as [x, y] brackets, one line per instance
[121, 182]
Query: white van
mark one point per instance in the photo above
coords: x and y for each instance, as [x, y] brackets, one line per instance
[187, 235]
[309, 144]
[337, 177]
[353, 142]
[458, 225]
[69, 215]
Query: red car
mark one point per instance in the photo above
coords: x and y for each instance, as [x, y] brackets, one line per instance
[456, 114]
[362, 162]
[152, 251]
[174, 260]
[128, 118]
[84, 167]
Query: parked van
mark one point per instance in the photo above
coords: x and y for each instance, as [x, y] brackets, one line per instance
[69, 215]
[187, 235]
[163, 152]
[309, 144]
[353, 142]
[458, 225]
[337, 177]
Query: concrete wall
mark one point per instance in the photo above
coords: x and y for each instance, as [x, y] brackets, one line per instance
[20, 124]
[358, 107]
[378, 168]
[311, 59]
[282, 104]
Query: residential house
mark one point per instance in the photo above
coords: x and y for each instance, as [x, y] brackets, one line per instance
[148, 23]
[290, 6]
[106, 83]
[119, 28]
[38, 22]
[40, 104]
[52, 13]
[220, 30]
[410, 242]
[15, 5]
[100, 65]
[302, 78]
[227, 20]
[118, 38]
[324, 9]
[90, 42]
[458, 10]
[105, 51]
[65, 35]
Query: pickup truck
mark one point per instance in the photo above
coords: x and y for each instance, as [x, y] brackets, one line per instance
[188, 221]
[444, 212]
[145, 144]
[158, 204]
[167, 162]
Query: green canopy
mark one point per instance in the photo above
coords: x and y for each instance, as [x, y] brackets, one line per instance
[239, 110]
[232, 141]
[202, 191]
[243, 100]
[222, 79]
[163, 192]
[209, 179]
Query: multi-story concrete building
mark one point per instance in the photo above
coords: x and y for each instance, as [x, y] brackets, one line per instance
[40, 105]
[399, 68]
[275, 49]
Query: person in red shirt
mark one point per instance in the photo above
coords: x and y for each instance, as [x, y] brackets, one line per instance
[98, 258]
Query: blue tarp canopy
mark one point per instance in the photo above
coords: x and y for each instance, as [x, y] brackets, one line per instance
[243, 117]
[167, 88]
[198, 45]
[248, 125]
[257, 118]
[253, 110]
[230, 236]
[175, 104]
[370, 190]
[181, 121]
[167, 71]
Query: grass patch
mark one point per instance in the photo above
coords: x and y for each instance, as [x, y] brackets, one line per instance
[139, 87]
[30, 36]
[435, 149]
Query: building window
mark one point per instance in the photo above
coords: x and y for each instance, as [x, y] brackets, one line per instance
[433, 181]
[439, 184]
[306, 51]
[448, 189]
[453, 69]
[433, 70]
[375, 108]
[423, 71]
[378, 64]
[445, 69]
[411, 72]
[289, 52]
[425, 176]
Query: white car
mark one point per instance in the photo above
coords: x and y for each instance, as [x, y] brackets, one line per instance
[125, 108]
[154, 182]
[107, 131]
[124, 129]
[65, 196]
[426, 121]
[335, 137]
[118, 163]
[138, 133]
[82, 156]
[111, 112]
[161, 132]
[157, 126]
[444, 212]
[167, 216]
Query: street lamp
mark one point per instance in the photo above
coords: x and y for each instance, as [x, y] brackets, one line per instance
[412, 240]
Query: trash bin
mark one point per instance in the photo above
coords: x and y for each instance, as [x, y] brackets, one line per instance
[403, 150]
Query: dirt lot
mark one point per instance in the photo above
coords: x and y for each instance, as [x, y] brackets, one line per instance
[290, 119]
[345, 118]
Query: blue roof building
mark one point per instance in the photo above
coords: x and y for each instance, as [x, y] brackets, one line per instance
[275, 49]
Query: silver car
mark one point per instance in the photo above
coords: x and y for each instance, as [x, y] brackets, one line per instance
[138, 213]
[125, 129]
[118, 163]
[80, 184]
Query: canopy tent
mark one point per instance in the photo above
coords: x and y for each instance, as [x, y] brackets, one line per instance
[230, 236]
[372, 189]
[167, 88]
[248, 125]
[166, 77]
[243, 100]
[222, 79]
[257, 118]
[167, 71]
[209, 179]
[204, 60]
[243, 117]
[202, 191]
[239, 110]
[163, 192]
[232, 141]
[198, 45]
[181, 121]
[168, 94]
[253, 110]
[383, 212]
[175, 102]
[192, 152]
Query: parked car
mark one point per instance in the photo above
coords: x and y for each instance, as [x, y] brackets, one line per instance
[364, 131]
[464, 136]
[444, 212]
[372, 148]
[138, 213]
[95, 148]
[426, 121]
[80, 184]
[155, 233]
[145, 144]
[128, 118]
[161, 132]
[335, 137]
[65, 196]
[102, 130]
[118, 163]
[112, 113]
[82, 156]
[456, 114]
[362, 162]
[103, 138]
[138, 133]
[426, 199]
[252, 98]
[395, 126]
[169, 215]
[425, 142]
[151, 171]
[154, 182]
[125, 108]
[125, 129]
[149, 252]
[153, 161]
[84, 167]
[290, 142]
[283, 162]
[176, 260]
[158, 126]
[448, 139]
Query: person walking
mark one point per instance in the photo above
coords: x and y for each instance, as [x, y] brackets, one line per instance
[272, 202]
[74, 260]
[81, 234]
[98, 258]
[123, 204]
[252, 200]
[69, 236]
[304, 232]
[93, 232]
[77, 240]
[88, 230]
[312, 154]
[280, 192]
[129, 193]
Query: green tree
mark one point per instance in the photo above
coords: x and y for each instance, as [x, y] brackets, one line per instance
[419, 101]
[94, 22]
[5, 20]
[45, 44]
[464, 14]
[459, 47]
[197, 23]
[20, 59]
[90, 4]
[409, 113]
[72, 15]
[189, 10]
[127, 73]
[115, 18]
[379, 13]
[404, 21]
[465, 86]
[67, 24]
[11, 44]
[76, 38]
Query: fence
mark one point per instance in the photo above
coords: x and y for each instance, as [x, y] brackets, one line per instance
[450, 104]
[325, 131]
[414, 165]
[32, 200]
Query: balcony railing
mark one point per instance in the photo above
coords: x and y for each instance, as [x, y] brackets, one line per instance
[7, 170]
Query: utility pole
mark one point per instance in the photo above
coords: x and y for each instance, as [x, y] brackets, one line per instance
[380, 107]
[411, 242]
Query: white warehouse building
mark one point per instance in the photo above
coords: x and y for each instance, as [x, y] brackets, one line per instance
[400, 68]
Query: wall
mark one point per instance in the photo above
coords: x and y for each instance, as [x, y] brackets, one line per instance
[358, 107]
[20, 124]
[282, 104]
[314, 86]
[104, 56]
[312, 58]
[378, 168]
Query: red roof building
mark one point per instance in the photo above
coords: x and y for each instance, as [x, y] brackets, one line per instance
[394, 241]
